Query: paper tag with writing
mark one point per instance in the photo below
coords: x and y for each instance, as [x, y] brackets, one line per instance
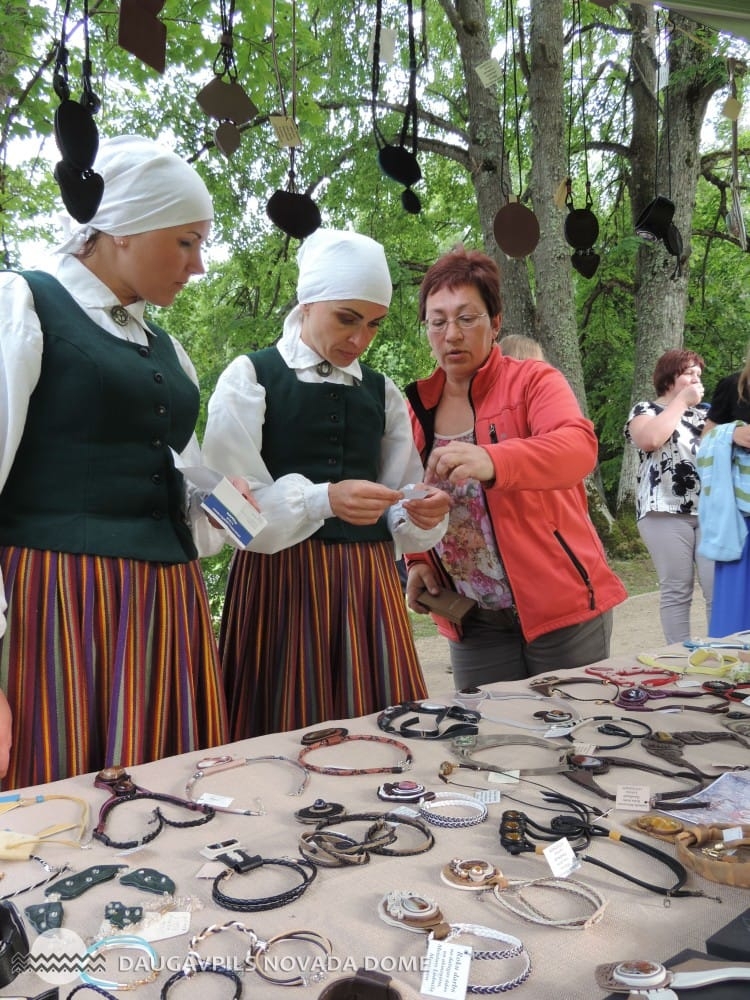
[285, 130]
[447, 972]
[561, 858]
[489, 72]
[210, 870]
[510, 777]
[587, 749]
[209, 799]
[555, 731]
[635, 797]
[488, 795]
[732, 833]
[167, 925]
[688, 682]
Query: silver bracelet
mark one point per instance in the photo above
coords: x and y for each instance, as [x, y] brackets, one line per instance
[516, 949]
[450, 800]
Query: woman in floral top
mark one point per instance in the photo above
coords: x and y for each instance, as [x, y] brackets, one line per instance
[666, 433]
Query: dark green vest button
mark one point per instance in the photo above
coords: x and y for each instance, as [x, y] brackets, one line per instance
[144, 351]
[160, 409]
[158, 377]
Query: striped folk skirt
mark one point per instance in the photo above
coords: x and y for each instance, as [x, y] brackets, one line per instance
[315, 632]
[105, 661]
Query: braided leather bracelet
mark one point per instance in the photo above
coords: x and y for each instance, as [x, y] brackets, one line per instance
[334, 737]
[306, 869]
[441, 800]
[516, 949]
[192, 970]
[382, 823]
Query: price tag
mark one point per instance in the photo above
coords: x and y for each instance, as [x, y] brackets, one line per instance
[489, 72]
[285, 130]
[636, 798]
[732, 833]
[209, 799]
[510, 777]
[488, 795]
[561, 858]
[447, 972]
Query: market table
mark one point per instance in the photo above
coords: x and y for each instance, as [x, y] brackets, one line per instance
[342, 903]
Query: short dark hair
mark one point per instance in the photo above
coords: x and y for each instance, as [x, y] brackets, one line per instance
[671, 365]
[463, 267]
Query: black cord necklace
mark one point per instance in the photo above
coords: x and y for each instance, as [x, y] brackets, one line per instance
[518, 831]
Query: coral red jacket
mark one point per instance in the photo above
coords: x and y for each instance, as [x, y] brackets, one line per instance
[542, 447]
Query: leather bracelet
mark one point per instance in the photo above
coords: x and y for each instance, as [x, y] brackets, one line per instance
[328, 849]
[549, 686]
[510, 896]
[516, 949]
[263, 963]
[83, 986]
[463, 721]
[382, 823]
[193, 958]
[193, 970]
[365, 984]
[303, 868]
[441, 800]
[337, 739]
[612, 727]
[120, 941]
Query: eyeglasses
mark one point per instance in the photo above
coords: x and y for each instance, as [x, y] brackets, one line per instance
[465, 322]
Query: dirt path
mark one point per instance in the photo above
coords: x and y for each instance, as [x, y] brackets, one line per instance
[636, 629]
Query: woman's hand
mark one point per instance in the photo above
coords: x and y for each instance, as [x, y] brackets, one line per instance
[741, 435]
[421, 577]
[358, 501]
[427, 512]
[242, 486]
[458, 461]
[6, 734]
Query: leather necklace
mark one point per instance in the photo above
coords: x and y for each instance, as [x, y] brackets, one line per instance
[579, 826]
[118, 782]
[583, 767]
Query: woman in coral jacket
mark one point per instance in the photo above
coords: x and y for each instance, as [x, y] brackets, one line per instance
[507, 440]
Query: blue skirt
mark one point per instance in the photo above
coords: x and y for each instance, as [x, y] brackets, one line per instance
[730, 612]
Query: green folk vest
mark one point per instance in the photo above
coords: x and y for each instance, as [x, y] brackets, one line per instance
[323, 431]
[94, 473]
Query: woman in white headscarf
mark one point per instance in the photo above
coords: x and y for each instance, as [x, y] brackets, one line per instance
[315, 625]
[108, 656]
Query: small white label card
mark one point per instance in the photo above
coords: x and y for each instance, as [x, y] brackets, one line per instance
[586, 749]
[488, 795]
[228, 506]
[447, 971]
[489, 72]
[210, 799]
[561, 858]
[732, 833]
[510, 777]
[164, 925]
[634, 797]
[387, 45]
[285, 129]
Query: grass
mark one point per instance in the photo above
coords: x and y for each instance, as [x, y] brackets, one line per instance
[637, 574]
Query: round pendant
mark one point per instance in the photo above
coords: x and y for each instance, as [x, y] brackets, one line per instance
[639, 973]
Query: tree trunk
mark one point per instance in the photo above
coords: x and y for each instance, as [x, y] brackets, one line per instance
[661, 278]
[487, 157]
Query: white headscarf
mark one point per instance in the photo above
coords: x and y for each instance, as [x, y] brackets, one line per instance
[336, 264]
[146, 187]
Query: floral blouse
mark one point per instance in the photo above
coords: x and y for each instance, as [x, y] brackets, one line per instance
[468, 550]
[667, 477]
